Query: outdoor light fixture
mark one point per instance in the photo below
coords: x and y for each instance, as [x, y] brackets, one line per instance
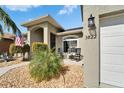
[91, 23]
[92, 28]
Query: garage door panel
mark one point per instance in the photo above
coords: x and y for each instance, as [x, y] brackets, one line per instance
[119, 39]
[112, 55]
[112, 76]
[109, 44]
[113, 50]
[118, 84]
[114, 44]
[111, 33]
[113, 39]
[112, 29]
[113, 68]
[112, 59]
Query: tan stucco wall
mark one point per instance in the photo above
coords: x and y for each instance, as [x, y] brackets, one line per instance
[28, 37]
[58, 42]
[90, 49]
[37, 36]
[52, 29]
[80, 42]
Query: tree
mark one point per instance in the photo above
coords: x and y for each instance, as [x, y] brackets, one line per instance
[8, 22]
[12, 49]
[26, 49]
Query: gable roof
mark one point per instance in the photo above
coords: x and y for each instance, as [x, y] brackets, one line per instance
[74, 29]
[46, 18]
[77, 30]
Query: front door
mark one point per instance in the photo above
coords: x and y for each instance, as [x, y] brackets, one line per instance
[66, 46]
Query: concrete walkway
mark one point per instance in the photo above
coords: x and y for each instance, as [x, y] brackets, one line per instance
[3, 70]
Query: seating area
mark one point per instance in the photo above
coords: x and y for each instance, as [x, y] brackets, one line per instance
[73, 54]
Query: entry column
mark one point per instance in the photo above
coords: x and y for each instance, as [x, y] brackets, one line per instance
[46, 36]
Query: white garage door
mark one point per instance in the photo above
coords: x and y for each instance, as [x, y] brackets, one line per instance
[112, 55]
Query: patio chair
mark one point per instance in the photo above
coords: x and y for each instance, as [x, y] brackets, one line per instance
[60, 52]
[72, 53]
[69, 50]
[77, 55]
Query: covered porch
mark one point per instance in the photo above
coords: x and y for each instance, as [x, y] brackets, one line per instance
[70, 46]
[43, 29]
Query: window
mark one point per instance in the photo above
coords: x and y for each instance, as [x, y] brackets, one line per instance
[52, 40]
[69, 43]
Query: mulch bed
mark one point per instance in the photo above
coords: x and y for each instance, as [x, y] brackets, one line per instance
[72, 77]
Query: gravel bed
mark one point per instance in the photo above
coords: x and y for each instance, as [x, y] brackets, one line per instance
[72, 77]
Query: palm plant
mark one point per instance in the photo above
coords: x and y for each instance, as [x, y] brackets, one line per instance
[45, 65]
[8, 22]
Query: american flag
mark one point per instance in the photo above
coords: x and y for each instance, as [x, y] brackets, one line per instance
[19, 39]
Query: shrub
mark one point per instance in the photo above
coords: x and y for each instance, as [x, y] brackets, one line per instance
[38, 46]
[45, 65]
[26, 48]
[19, 49]
[12, 49]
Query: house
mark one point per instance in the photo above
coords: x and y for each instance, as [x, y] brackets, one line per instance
[45, 29]
[104, 54]
[5, 42]
[100, 39]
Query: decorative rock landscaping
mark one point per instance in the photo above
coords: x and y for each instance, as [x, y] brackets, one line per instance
[72, 77]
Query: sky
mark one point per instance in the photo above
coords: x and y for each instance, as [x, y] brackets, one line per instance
[68, 16]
